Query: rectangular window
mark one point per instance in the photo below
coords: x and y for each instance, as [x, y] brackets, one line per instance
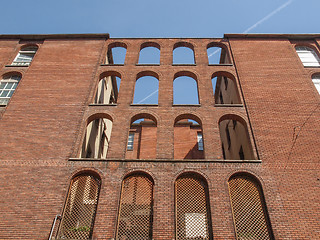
[200, 141]
[130, 141]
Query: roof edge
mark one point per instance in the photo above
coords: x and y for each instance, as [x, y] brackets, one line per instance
[265, 35]
[54, 36]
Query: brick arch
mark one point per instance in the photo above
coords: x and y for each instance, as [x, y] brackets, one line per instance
[109, 73]
[90, 171]
[188, 116]
[99, 115]
[12, 73]
[234, 117]
[147, 73]
[144, 115]
[190, 172]
[224, 74]
[183, 44]
[29, 45]
[138, 172]
[217, 44]
[150, 44]
[117, 44]
[185, 74]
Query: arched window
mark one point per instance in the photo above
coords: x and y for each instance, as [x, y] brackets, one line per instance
[217, 55]
[316, 81]
[8, 84]
[249, 208]
[146, 88]
[108, 87]
[225, 89]
[188, 138]
[80, 209]
[136, 207]
[116, 53]
[25, 56]
[149, 53]
[235, 138]
[185, 89]
[193, 218]
[97, 138]
[142, 137]
[183, 53]
[308, 56]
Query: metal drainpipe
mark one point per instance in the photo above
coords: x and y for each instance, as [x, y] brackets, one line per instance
[244, 101]
[57, 217]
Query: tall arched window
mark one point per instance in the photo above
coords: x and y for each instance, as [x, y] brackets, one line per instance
[146, 88]
[183, 53]
[225, 89]
[116, 53]
[188, 137]
[249, 208]
[142, 137]
[217, 54]
[316, 82]
[8, 85]
[235, 138]
[149, 53]
[80, 209]
[193, 218]
[25, 56]
[185, 88]
[308, 56]
[136, 207]
[108, 87]
[97, 138]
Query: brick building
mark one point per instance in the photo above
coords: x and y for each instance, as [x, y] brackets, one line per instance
[241, 162]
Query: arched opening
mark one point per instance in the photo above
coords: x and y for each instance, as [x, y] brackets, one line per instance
[249, 208]
[235, 139]
[308, 56]
[146, 88]
[188, 138]
[25, 55]
[8, 85]
[225, 89]
[97, 138]
[142, 137]
[80, 209]
[108, 88]
[185, 89]
[217, 54]
[116, 53]
[183, 53]
[149, 53]
[193, 218]
[136, 207]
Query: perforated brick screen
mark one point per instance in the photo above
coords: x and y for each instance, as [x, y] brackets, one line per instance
[249, 210]
[135, 215]
[192, 209]
[80, 210]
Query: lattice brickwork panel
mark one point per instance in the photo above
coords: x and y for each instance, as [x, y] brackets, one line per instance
[249, 210]
[135, 216]
[192, 209]
[80, 210]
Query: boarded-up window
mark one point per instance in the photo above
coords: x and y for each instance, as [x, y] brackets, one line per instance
[193, 219]
[135, 214]
[249, 208]
[80, 210]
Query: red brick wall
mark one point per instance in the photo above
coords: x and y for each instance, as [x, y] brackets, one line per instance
[43, 126]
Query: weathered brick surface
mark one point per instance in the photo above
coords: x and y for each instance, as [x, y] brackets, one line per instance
[43, 126]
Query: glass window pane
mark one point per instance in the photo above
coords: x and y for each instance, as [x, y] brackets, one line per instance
[9, 85]
[4, 93]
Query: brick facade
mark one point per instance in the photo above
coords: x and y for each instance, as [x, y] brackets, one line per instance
[43, 126]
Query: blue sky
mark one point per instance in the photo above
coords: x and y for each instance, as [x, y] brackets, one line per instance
[162, 18]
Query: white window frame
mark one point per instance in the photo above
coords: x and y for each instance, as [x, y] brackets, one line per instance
[5, 97]
[25, 56]
[308, 56]
[200, 141]
[130, 141]
[316, 82]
